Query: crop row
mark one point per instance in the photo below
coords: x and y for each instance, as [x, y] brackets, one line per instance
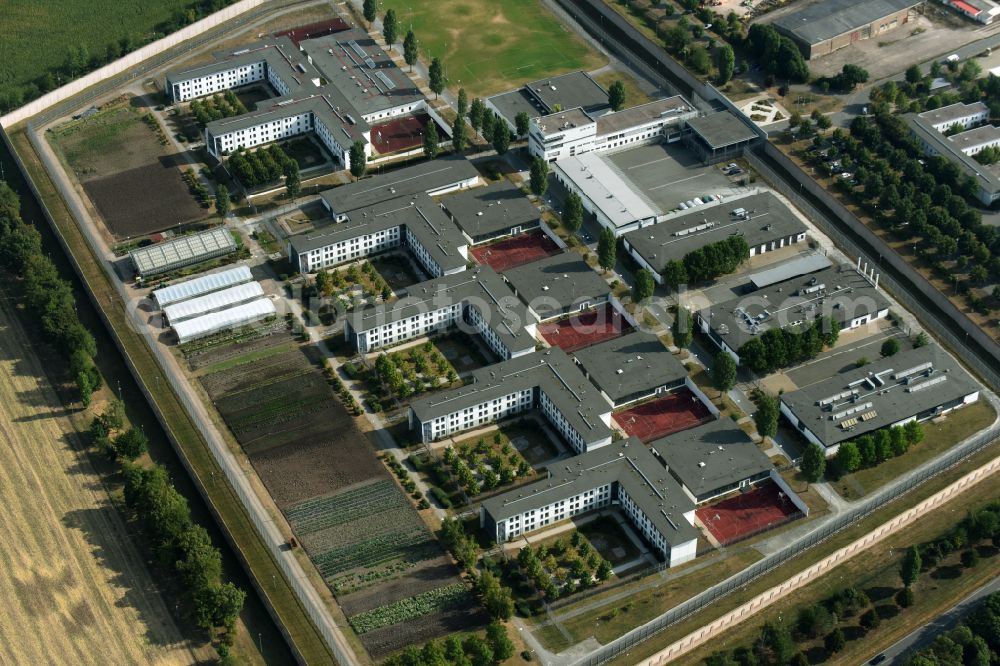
[363, 528]
[412, 546]
[436, 600]
[318, 514]
[278, 412]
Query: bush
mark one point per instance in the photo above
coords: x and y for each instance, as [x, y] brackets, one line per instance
[441, 496]
[904, 598]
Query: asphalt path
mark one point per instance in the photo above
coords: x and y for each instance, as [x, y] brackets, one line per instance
[948, 620]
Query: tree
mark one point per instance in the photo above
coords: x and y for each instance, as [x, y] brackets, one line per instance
[775, 644]
[766, 416]
[359, 159]
[496, 636]
[370, 10]
[848, 457]
[431, 140]
[293, 181]
[852, 75]
[834, 641]
[522, 122]
[905, 597]
[606, 249]
[813, 463]
[130, 444]
[681, 327]
[643, 287]
[476, 111]
[723, 372]
[573, 212]
[869, 619]
[410, 50]
[463, 102]
[913, 74]
[390, 27]
[539, 180]
[970, 558]
[616, 95]
[889, 347]
[435, 75]
[909, 568]
[604, 570]
[227, 603]
[699, 59]
[222, 202]
[501, 136]
[675, 274]
[496, 598]
[725, 61]
[458, 134]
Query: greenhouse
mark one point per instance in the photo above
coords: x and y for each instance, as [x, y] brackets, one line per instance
[215, 322]
[200, 286]
[213, 302]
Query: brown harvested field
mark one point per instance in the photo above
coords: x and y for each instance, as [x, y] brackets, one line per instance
[75, 589]
[144, 200]
[360, 530]
[133, 180]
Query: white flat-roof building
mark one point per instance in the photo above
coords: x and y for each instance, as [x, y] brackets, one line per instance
[574, 132]
[545, 380]
[604, 193]
[478, 299]
[334, 86]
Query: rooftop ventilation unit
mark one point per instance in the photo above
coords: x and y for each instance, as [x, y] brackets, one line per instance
[930, 382]
[912, 371]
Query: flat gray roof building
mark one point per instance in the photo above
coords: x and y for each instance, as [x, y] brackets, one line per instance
[788, 270]
[490, 211]
[719, 135]
[430, 176]
[572, 397]
[635, 477]
[766, 221]
[631, 367]
[558, 285]
[839, 292]
[822, 27]
[712, 459]
[920, 383]
[932, 142]
[421, 217]
[184, 251]
[506, 316]
[545, 96]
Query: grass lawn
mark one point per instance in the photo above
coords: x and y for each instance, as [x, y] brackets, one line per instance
[648, 598]
[634, 95]
[35, 37]
[877, 573]
[938, 438]
[462, 352]
[487, 47]
[609, 538]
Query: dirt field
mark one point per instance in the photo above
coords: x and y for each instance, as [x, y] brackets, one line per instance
[133, 180]
[76, 591]
[359, 528]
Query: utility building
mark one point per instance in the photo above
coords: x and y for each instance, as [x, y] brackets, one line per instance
[823, 27]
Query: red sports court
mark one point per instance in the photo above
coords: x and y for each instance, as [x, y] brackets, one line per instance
[585, 329]
[516, 251]
[314, 30]
[747, 514]
[664, 416]
[402, 133]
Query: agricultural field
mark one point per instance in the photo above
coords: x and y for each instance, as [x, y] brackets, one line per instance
[76, 589]
[488, 47]
[120, 157]
[37, 37]
[390, 575]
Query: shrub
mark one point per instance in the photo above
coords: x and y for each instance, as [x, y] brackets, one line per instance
[441, 496]
[904, 598]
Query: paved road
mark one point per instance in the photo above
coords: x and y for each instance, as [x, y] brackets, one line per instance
[923, 636]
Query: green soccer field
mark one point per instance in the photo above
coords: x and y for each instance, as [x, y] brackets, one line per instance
[491, 46]
[37, 35]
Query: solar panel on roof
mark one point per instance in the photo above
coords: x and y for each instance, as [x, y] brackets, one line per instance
[370, 63]
[357, 49]
[385, 80]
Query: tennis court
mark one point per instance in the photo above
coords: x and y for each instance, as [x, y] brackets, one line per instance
[515, 251]
[747, 514]
[664, 416]
[403, 134]
[585, 329]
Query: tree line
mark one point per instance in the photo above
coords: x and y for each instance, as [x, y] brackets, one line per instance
[707, 262]
[975, 642]
[181, 549]
[49, 298]
[780, 347]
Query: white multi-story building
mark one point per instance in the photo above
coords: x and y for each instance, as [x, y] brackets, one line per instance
[333, 85]
[962, 115]
[477, 299]
[546, 380]
[626, 475]
[575, 132]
